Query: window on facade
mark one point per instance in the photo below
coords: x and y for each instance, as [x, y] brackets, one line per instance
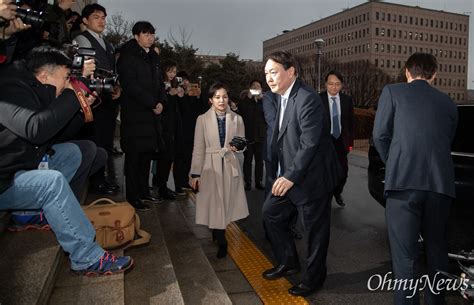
[376, 62]
[376, 47]
[388, 17]
[410, 35]
[388, 32]
[376, 31]
[400, 18]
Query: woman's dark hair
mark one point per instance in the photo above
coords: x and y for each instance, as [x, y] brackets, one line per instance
[91, 8]
[336, 74]
[143, 27]
[286, 59]
[255, 81]
[422, 65]
[216, 86]
[46, 56]
[166, 66]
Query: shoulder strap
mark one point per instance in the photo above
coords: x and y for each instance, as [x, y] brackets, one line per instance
[144, 235]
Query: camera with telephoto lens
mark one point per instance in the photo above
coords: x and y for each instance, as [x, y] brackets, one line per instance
[238, 142]
[35, 18]
[31, 17]
[103, 80]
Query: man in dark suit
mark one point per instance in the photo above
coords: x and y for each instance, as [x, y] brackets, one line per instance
[340, 112]
[304, 171]
[414, 127]
[105, 114]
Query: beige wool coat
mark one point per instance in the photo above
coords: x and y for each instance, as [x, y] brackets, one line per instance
[221, 198]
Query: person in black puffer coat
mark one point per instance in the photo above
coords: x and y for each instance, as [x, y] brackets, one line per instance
[142, 101]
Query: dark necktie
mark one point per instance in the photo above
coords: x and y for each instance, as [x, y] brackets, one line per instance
[336, 132]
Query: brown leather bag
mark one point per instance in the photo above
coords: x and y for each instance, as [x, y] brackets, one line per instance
[116, 224]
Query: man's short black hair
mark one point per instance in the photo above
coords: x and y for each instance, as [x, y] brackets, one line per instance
[46, 56]
[143, 27]
[91, 8]
[422, 65]
[336, 74]
[286, 59]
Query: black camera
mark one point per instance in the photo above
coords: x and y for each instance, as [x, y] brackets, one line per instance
[103, 80]
[34, 18]
[238, 142]
[79, 56]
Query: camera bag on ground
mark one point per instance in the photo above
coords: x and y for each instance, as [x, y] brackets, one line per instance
[116, 224]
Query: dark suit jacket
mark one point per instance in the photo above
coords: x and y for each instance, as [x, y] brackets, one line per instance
[304, 148]
[347, 117]
[414, 127]
[270, 108]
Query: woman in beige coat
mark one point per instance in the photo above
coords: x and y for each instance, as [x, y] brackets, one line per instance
[215, 167]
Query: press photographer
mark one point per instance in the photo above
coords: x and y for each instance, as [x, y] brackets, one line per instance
[37, 106]
[92, 44]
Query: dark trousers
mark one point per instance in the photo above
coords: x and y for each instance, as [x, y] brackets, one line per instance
[409, 213]
[219, 236]
[341, 152]
[93, 159]
[315, 216]
[137, 171]
[163, 168]
[253, 150]
[103, 136]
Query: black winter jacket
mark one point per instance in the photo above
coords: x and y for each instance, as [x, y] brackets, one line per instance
[142, 89]
[31, 119]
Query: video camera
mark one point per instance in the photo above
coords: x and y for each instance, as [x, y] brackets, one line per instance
[103, 80]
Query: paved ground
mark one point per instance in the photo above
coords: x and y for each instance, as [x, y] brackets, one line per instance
[358, 247]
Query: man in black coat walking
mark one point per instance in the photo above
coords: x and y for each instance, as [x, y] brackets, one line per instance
[304, 170]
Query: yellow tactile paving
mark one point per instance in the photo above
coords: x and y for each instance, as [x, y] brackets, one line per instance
[252, 263]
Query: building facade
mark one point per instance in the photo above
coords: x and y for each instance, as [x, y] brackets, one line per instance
[386, 34]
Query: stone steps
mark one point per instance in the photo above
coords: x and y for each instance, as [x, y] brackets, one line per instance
[29, 263]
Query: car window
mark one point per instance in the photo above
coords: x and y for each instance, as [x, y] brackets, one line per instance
[464, 139]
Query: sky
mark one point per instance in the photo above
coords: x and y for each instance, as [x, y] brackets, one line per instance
[217, 27]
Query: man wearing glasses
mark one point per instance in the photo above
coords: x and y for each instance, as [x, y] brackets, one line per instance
[340, 110]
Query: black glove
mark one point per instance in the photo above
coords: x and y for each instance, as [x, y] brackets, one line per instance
[238, 142]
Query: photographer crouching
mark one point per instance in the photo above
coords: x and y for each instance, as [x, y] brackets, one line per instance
[37, 104]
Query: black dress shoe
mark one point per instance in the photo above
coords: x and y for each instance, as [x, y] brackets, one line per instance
[166, 195]
[247, 186]
[179, 191]
[113, 186]
[301, 290]
[280, 271]
[259, 186]
[103, 189]
[140, 205]
[339, 200]
[151, 199]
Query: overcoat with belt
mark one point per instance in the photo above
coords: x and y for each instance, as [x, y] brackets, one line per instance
[221, 198]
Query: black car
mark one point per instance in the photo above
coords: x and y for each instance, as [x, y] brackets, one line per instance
[461, 224]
